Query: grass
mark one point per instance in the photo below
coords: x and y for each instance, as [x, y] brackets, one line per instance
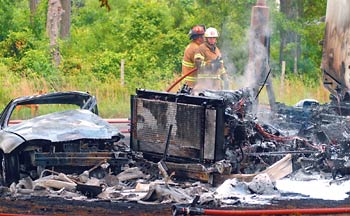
[114, 99]
[290, 92]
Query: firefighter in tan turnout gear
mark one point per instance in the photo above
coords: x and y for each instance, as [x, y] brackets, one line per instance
[188, 64]
[211, 74]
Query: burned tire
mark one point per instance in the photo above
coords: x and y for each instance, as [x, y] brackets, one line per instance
[9, 168]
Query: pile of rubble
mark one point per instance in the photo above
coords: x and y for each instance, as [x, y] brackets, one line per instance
[261, 188]
[316, 135]
[261, 148]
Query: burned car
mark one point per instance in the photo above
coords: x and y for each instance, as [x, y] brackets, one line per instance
[65, 133]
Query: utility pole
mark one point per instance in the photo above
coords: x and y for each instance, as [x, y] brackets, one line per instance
[259, 50]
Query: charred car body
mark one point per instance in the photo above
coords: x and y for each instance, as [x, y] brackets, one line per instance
[68, 136]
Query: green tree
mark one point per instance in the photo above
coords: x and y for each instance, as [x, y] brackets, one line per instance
[300, 31]
[6, 16]
[150, 35]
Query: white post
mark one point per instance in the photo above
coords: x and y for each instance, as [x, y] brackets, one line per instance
[122, 72]
[283, 73]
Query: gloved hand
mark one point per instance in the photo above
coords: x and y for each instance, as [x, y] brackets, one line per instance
[216, 64]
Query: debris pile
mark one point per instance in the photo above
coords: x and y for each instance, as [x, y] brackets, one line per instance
[260, 148]
[316, 135]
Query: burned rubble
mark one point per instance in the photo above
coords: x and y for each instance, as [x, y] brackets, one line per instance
[239, 142]
[255, 138]
[325, 131]
[316, 135]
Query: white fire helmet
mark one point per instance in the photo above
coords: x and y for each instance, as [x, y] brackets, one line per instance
[211, 32]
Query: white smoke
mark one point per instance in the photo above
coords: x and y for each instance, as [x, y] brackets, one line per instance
[252, 46]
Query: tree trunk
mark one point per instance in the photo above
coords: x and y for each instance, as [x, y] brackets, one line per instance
[293, 9]
[33, 4]
[65, 24]
[54, 14]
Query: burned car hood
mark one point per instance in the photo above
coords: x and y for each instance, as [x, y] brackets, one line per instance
[65, 126]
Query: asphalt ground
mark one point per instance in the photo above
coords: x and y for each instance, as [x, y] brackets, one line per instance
[59, 206]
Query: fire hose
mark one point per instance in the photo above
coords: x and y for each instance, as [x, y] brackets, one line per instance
[181, 210]
[181, 78]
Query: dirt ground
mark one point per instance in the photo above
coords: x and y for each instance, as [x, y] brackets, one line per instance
[58, 206]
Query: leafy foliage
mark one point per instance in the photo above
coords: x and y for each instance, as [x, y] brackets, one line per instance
[310, 30]
[17, 44]
[6, 17]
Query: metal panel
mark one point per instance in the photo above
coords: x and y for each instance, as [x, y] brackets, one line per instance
[210, 133]
[197, 126]
[336, 47]
[78, 158]
[152, 123]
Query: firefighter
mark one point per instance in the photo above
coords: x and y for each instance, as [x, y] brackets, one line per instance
[212, 74]
[196, 36]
